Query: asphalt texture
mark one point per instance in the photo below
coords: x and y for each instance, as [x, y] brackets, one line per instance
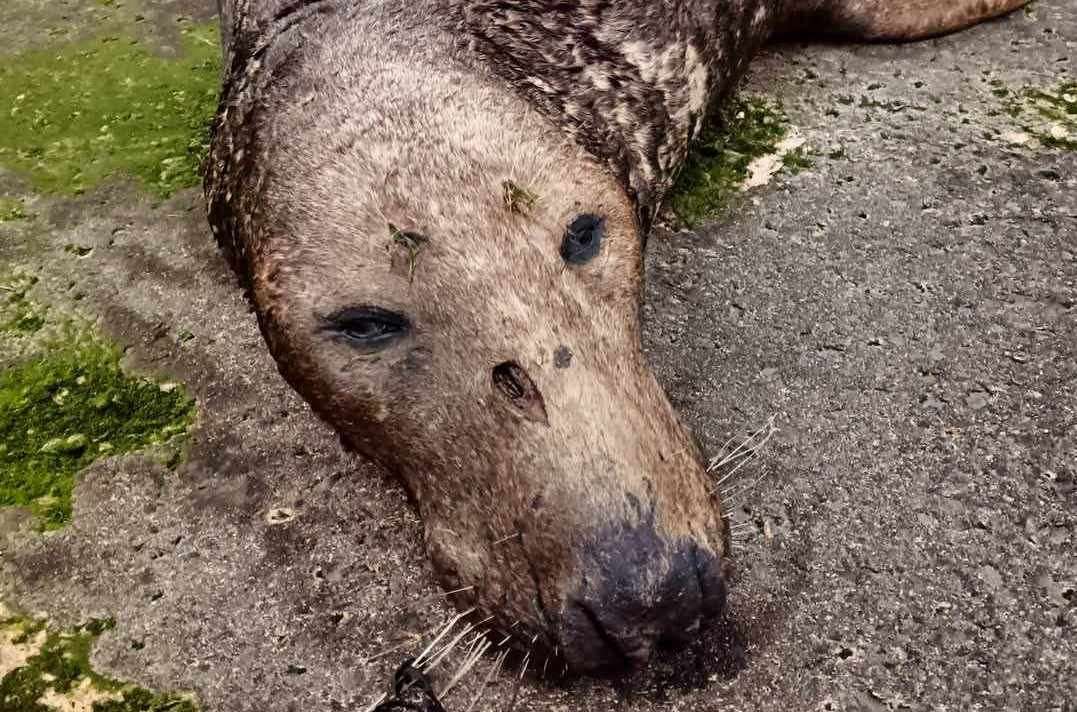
[905, 308]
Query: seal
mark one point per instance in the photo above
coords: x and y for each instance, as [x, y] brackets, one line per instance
[438, 210]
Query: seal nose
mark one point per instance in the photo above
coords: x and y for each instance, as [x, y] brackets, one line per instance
[639, 591]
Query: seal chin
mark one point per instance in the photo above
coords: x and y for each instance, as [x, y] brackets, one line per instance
[640, 592]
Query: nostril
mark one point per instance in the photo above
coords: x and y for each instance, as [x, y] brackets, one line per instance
[512, 381]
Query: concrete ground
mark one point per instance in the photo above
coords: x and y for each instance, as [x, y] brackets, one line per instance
[905, 306]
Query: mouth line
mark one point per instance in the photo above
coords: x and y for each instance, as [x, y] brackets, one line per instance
[607, 640]
[697, 564]
[539, 600]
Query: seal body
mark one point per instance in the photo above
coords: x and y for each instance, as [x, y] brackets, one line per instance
[437, 208]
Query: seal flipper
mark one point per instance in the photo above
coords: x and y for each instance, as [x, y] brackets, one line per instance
[891, 19]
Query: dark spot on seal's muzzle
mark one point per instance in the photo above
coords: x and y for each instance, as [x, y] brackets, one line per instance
[562, 357]
[639, 591]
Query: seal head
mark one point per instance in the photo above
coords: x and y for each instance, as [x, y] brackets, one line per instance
[454, 285]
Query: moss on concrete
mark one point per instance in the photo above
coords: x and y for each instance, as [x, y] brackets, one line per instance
[66, 407]
[59, 672]
[797, 160]
[1047, 114]
[746, 129]
[86, 111]
[12, 209]
[19, 315]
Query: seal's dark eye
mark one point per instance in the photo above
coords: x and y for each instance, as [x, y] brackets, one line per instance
[367, 327]
[583, 238]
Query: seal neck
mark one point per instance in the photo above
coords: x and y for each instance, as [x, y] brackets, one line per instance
[631, 82]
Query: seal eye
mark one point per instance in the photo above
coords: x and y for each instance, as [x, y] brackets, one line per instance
[583, 239]
[367, 327]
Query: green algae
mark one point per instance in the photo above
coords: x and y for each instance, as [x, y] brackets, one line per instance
[519, 201]
[410, 244]
[68, 406]
[1048, 114]
[86, 111]
[19, 315]
[797, 160]
[717, 166]
[61, 665]
[12, 209]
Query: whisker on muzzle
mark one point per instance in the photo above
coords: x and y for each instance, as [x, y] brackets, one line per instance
[472, 639]
[412, 679]
[724, 466]
[475, 650]
[421, 657]
[495, 669]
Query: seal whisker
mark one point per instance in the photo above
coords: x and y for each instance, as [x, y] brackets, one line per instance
[444, 630]
[382, 654]
[494, 670]
[732, 472]
[474, 653]
[744, 452]
[751, 443]
[457, 590]
[425, 600]
[374, 705]
[735, 495]
[715, 462]
[503, 539]
[480, 636]
[437, 659]
[519, 681]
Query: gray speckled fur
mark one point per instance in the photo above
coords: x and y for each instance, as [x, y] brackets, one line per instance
[629, 81]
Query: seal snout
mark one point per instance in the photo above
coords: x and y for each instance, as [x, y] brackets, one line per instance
[639, 591]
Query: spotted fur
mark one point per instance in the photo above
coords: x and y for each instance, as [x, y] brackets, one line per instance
[630, 81]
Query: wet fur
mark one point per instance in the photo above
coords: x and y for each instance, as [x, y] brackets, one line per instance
[341, 122]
